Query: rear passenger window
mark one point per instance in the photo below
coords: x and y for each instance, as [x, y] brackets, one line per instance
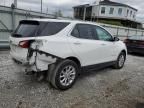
[75, 32]
[51, 28]
[84, 31]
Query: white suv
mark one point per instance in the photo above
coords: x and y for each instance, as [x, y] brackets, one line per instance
[61, 49]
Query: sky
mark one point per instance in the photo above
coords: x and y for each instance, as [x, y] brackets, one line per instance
[51, 6]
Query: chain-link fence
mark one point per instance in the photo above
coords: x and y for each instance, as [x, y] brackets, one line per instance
[10, 17]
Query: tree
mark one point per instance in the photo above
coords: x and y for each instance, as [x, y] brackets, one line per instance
[58, 13]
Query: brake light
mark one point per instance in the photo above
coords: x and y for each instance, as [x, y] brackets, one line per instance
[24, 44]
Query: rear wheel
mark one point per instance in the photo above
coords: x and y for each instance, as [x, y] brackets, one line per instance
[64, 75]
[120, 61]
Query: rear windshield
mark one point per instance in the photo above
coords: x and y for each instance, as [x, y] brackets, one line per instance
[31, 29]
[26, 30]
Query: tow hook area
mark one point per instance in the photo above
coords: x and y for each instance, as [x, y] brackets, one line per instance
[39, 75]
[29, 72]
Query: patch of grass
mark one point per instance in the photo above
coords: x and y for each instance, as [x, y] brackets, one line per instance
[117, 23]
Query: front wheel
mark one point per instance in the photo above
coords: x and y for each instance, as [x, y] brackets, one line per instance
[120, 61]
[64, 75]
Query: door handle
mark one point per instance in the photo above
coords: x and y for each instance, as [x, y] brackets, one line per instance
[103, 44]
[77, 43]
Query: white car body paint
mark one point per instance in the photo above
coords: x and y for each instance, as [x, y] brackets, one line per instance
[62, 45]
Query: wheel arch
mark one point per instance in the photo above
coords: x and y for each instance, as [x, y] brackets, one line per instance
[76, 60]
[125, 52]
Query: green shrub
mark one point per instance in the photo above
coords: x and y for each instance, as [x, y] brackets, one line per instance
[111, 22]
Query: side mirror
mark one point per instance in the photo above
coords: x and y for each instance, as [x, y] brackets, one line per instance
[116, 39]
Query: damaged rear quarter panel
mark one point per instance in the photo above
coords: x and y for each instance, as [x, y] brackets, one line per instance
[48, 50]
[55, 45]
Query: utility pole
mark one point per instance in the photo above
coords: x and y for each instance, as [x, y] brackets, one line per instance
[98, 11]
[84, 15]
[41, 6]
[47, 10]
[15, 3]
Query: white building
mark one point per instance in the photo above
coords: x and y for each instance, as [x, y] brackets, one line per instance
[108, 11]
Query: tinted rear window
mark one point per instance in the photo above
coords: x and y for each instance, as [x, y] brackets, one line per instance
[84, 31]
[30, 29]
[26, 30]
[50, 28]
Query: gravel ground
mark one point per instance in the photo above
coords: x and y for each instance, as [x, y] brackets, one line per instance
[107, 88]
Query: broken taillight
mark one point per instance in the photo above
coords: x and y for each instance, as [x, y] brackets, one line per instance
[24, 44]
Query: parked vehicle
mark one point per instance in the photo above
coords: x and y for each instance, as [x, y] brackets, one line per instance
[135, 44]
[64, 48]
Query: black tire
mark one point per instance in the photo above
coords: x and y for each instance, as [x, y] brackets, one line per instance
[117, 64]
[54, 76]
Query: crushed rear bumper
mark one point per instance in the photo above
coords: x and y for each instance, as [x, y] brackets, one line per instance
[38, 61]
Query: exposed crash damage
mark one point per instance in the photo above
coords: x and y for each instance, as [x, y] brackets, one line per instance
[39, 60]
